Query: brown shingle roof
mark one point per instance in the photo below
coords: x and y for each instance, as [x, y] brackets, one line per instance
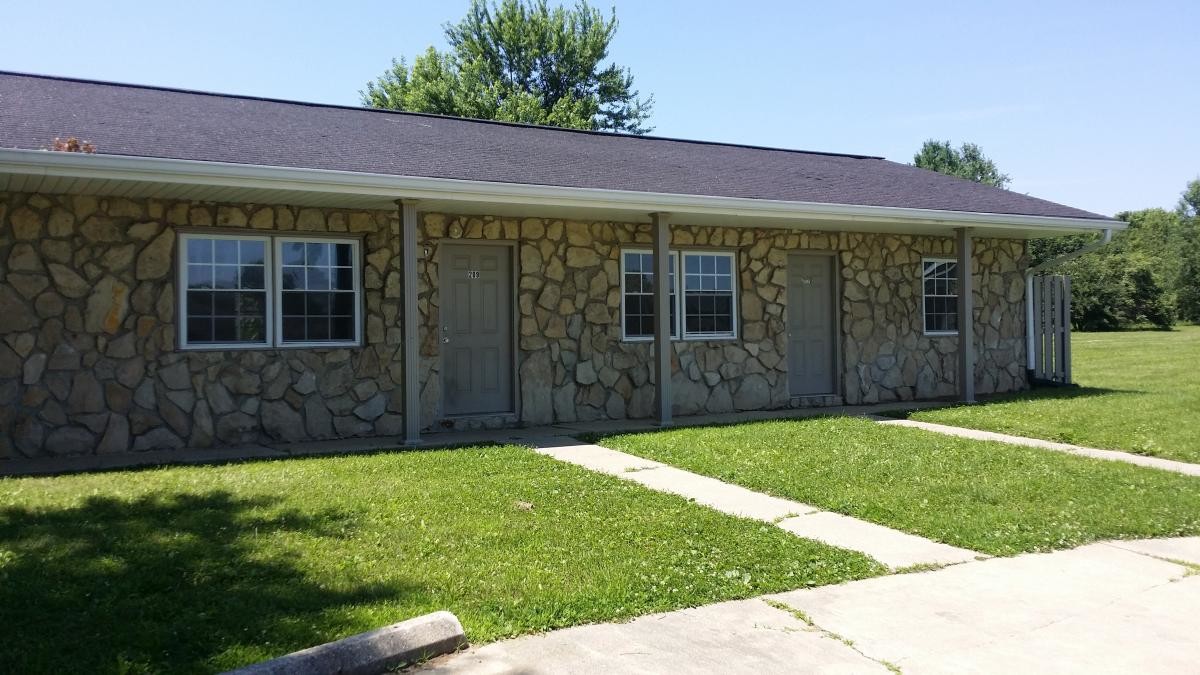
[168, 123]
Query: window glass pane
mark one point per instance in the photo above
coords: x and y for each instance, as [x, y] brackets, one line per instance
[225, 251]
[252, 276]
[199, 329]
[199, 276]
[292, 253]
[225, 276]
[199, 251]
[253, 253]
[344, 279]
[292, 277]
[317, 254]
[345, 255]
[317, 278]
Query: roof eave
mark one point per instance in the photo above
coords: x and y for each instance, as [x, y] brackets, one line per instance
[287, 179]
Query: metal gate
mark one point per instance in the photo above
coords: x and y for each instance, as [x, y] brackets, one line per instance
[1052, 329]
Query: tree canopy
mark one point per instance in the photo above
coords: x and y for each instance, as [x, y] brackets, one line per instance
[521, 61]
[966, 161]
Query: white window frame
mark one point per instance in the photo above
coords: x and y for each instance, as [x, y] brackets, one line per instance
[678, 331]
[277, 273]
[181, 316]
[681, 275]
[958, 282]
[678, 307]
[273, 286]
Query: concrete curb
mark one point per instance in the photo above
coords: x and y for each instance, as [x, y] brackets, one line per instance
[372, 652]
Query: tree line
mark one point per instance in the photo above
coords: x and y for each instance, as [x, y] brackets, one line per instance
[1147, 277]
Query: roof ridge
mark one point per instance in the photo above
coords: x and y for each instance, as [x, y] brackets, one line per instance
[337, 106]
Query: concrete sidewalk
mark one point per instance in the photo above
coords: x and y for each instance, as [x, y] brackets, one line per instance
[1118, 607]
[891, 547]
[1095, 453]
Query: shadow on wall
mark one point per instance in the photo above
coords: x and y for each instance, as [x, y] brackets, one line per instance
[167, 582]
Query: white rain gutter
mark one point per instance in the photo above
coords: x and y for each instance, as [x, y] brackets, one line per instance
[1030, 338]
[224, 174]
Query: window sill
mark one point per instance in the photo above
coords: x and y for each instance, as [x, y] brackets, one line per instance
[940, 333]
[266, 347]
[688, 338]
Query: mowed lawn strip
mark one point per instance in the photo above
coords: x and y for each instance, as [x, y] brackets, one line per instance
[990, 497]
[201, 569]
[1139, 392]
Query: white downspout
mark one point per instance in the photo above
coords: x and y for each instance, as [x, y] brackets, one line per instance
[1032, 271]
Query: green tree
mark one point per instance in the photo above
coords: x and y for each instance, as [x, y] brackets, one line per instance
[1187, 279]
[966, 161]
[1189, 201]
[521, 62]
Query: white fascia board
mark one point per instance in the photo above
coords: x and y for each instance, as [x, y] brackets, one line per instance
[193, 172]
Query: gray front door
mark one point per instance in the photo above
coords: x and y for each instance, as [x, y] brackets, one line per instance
[476, 312]
[810, 325]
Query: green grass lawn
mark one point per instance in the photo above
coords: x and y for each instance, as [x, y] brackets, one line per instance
[205, 568]
[1140, 392]
[989, 497]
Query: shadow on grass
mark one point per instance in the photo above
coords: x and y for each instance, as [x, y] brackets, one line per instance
[1036, 394]
[164, 583]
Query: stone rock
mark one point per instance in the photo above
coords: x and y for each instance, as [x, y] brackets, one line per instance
[177, 419]
[202, 426]
[280, 421]
[87, 396]
[373, 408]
[100, 229]
[28, 285]
[17, 316]
[24, 258]
[69, 441]
[175, 376]
[318, 423]
[753, 393]
[116, 435]
[34, 367]
[118, 258]
[158, 438]
[579, 257]
[564, 403]
[130, 373]
[154, 262]
[306, 383]
[144, 395]
[68, 282]
[64, 357]
[107, 306]
[347, 426]
[537, 405]
[26, 224]
[585, 373]
[237, 428]
[28, 436]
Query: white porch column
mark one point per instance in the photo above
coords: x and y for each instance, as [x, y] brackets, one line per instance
[966, 318]
[662, 317]
[410, 321]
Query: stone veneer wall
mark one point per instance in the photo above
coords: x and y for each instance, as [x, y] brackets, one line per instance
[88, 360]
[574, 366]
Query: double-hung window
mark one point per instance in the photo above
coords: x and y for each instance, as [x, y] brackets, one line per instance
[263, 291]
[707, 287]
[939, 279]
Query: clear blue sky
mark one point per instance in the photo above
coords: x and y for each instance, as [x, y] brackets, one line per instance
[1093, 104]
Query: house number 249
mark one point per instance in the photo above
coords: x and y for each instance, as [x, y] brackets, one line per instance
[472, 274]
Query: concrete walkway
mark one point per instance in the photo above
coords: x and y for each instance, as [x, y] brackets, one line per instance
[1095, 453]
[890, 547]
[1117, 607]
